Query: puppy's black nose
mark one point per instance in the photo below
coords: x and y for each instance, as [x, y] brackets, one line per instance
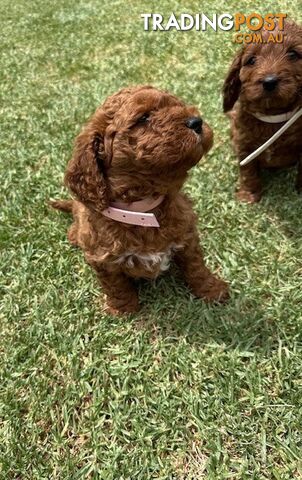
[270, 82]
[195, 123]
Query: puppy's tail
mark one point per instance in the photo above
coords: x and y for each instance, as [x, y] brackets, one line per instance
[63, 205]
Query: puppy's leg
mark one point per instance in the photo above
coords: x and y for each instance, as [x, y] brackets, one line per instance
[72, 234]
[121, 294]
[299, 176]
[198, 277]
[250, 183]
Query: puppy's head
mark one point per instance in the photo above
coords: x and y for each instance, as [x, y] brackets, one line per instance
[267, 77]
[141, 141]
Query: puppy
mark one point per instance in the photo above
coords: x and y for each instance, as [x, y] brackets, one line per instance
[266, 79]
[129, 163]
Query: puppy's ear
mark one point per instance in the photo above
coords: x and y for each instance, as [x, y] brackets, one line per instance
[232, 84]
[86, 173]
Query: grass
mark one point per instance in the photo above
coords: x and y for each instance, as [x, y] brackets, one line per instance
[181, 391]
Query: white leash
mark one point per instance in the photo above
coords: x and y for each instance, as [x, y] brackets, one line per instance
[271, 140]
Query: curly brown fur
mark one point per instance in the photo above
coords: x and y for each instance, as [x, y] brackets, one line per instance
[244, 85]
[137, 144]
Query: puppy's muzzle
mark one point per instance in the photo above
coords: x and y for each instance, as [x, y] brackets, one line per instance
[194, 123]
[270, 82]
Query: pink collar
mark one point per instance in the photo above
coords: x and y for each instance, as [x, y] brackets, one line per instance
[134, 213]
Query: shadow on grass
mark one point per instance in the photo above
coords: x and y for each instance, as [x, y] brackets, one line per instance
[281, 201]
[169, 310]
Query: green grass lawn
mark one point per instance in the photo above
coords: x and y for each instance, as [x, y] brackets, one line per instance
[183, 390]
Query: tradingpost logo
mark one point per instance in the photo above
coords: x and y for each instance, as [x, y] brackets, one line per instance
[225, 21]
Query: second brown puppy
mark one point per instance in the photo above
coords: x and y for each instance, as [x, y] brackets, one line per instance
[265, 79]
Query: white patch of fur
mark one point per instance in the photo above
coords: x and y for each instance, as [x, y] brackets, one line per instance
[148, 260]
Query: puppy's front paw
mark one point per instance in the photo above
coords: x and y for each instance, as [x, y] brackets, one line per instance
[248, 197]
[213, 290]
[116, 309]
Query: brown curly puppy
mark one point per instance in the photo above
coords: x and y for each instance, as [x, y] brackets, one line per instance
[136, 150]
[266, 79]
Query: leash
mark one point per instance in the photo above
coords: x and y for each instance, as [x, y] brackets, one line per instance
[271, 140]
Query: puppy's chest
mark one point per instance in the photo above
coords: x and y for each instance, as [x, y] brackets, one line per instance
[156, 262]
[284, 152]
[281, 154]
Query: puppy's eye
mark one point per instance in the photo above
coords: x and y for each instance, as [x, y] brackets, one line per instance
[293, 55]
[143, 119]
[250, 61]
